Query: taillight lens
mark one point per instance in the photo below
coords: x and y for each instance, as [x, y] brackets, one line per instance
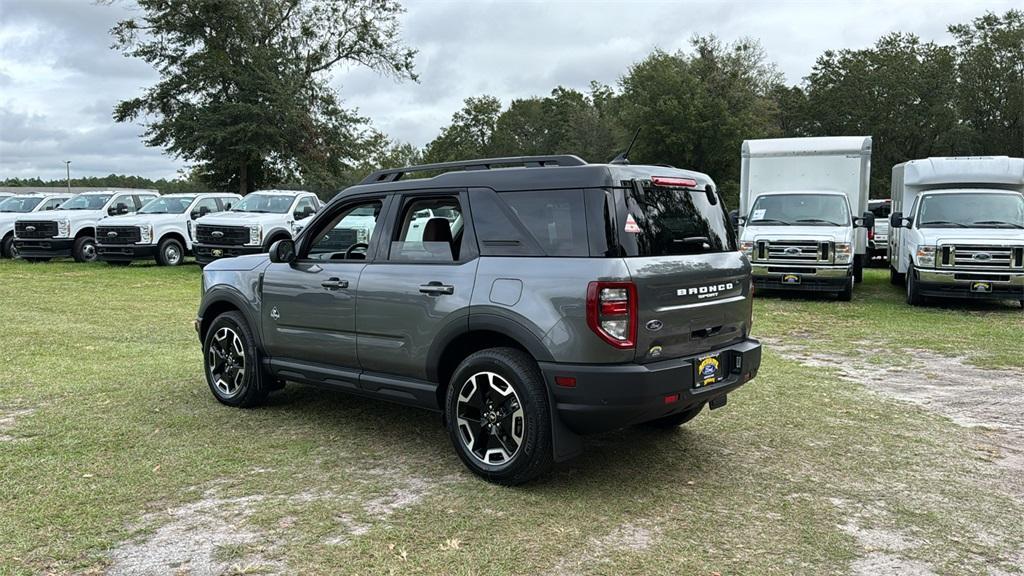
[611, 312]
[871, 233]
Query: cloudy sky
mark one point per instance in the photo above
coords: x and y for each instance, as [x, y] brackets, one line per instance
[59, 80]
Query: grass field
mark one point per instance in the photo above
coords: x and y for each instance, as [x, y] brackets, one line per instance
[114, 457]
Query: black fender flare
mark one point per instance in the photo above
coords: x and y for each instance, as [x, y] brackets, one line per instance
[231, 295]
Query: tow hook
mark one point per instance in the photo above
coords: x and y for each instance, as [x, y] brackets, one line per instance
[718, 402]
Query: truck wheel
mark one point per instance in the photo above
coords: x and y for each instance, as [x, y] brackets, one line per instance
[895, 278]
[858, 268]
[498, 416]
[914, 297]
[231, 362]
[7, 249]
[84, 249]
[170, 252]
[846, 294]
[675, 420]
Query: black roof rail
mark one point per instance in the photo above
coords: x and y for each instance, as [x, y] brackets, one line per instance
[394, 174]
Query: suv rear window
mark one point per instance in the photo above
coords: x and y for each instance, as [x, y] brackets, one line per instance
[669, 221]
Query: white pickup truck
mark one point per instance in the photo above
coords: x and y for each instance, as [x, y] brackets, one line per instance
[70, 230]
[803, 205]
[159, 230]
[957, 228]
[16, 206]
[252, 225]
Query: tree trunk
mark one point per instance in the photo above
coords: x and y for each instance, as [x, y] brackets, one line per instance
[243, 178]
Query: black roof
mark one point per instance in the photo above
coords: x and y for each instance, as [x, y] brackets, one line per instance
[518, 173]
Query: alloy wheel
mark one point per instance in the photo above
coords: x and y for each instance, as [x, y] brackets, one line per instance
[172, 255]
[226, 359]
[490, 418]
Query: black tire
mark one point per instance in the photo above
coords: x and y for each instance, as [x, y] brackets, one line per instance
[7, 247]
[170, 253]
[846, 294]
[914, 297]
[228, 334]
[514, 399]
[895, 278]
[119, 263]
[84, 249]
[858, 268]
[675, 420]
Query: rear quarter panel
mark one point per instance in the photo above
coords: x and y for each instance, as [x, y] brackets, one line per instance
[547, 297]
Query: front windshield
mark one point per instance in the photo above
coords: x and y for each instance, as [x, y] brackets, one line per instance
[86, 202]
[800, 210]
[972, 210]
[264, 203]
[19, 204]
[168, 205]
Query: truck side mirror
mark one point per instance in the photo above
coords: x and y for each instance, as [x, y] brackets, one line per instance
[734, 217]
[865, 221]
[896, 220]
[118, 209]
[282, 251]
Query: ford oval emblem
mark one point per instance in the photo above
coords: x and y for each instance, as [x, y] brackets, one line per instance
[792, 251]
[655, 325]
[111, 234]
[217, 234]
[982, 256]
[30, 228]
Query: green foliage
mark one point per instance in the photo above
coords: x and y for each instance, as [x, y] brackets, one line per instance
[469, 135]
[243, 91]
[116, 181]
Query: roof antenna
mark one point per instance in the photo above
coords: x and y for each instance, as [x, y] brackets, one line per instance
[624, 157]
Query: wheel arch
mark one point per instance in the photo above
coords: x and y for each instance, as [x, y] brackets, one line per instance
[275, 235]
[175, 234]
[220, 301]
[86, 231]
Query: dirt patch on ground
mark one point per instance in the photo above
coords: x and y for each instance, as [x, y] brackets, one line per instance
[213, 535]
[885, 547]
[8, 419]
[629, 537]
[989, 399]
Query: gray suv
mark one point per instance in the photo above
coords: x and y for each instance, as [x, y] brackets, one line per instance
[529, 300]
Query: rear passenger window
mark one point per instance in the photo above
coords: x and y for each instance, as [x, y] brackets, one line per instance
[556, 219]
[431, 230]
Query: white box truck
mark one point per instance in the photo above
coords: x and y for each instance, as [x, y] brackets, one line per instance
[957, 228]
[803, 212]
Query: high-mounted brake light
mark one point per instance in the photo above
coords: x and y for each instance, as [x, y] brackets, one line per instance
[667, 182]
[612, 312]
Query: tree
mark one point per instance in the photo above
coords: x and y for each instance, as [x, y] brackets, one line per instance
[469, 134]
[990, 87]
[243, 90]
[694, 111]
[899, 91]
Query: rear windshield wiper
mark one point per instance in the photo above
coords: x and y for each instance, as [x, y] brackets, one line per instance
[821, 220]
[943, 223]
[783, 222]
[999, 222]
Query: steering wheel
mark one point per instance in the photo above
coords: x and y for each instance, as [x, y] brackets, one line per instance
[352, 248]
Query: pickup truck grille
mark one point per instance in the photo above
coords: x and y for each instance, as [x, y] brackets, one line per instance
[42, 229]
[222, 235]
[980, 257]
[118, 234]
[794, 251]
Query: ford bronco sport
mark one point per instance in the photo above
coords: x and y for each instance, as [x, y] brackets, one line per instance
[542, 299]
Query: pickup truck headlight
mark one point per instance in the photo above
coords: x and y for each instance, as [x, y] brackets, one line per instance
[844, 253]
[146, 234]
[925, 256]
[191, 234]
[63, 228]
[748, 249]
[256, 234]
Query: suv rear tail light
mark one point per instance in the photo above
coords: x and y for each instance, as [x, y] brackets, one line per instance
[611, 312]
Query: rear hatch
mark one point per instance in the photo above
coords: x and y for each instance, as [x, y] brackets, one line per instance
[693, 285]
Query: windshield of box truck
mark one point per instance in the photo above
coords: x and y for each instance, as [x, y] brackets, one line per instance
[972, 209]
[800, 210]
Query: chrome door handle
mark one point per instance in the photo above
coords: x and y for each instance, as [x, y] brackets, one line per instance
[436, 288]
[334, 283]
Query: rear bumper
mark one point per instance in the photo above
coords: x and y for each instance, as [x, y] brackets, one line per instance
[965, 284]
[124, 252]
[811, 278]
[206, 253]
[45, 248]
[611, 396]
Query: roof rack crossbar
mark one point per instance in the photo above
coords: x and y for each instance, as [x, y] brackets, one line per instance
[394, 174]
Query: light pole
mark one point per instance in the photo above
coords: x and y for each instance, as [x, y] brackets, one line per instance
[67, 167]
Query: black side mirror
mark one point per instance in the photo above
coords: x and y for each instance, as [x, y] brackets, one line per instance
[734, 217]
[118, 209]
[304, 213]
[865, 221]
[896, 220]
[194, 214]
[282, 251]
